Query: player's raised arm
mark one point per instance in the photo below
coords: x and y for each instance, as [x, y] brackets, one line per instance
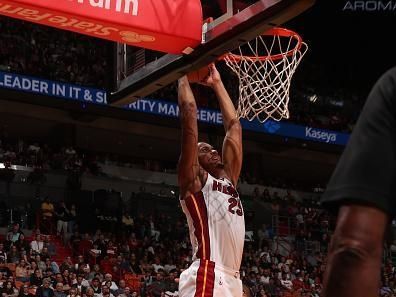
[188, 164]
[232, 146]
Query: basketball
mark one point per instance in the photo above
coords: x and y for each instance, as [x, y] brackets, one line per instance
[199, 75]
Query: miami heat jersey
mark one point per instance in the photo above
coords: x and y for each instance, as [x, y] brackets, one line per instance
[216, 221]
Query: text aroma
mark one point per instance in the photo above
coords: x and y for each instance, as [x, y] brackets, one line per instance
[126, 6]
[369, 6]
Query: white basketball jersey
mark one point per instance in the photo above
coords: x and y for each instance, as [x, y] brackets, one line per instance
[216, 221]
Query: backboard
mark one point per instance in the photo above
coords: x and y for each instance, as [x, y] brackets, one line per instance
[235, 27]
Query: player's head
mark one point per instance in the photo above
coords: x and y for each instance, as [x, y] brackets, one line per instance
[208, 157]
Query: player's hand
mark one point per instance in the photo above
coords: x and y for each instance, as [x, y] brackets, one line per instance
[213, 78]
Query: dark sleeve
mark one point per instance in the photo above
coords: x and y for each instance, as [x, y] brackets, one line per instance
[366, 170]
[38, 292]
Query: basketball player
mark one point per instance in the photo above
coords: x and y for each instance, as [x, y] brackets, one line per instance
[209, 198]
[363, 188]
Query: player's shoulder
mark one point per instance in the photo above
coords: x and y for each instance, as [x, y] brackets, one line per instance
[385, 86]
[389, 76]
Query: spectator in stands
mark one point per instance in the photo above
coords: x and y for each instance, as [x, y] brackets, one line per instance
[57, 279]
[49, 247]
[22, 244]
[21, 271]
[153, 231]
[80, 264]
[95, 271]
[157, 265]
[126, 293]
[3, 254]
[37, 245]
[106, 292]
[73, 292]
[82, 284]
[67, 264]
[72, 278]
[24, 291]
[2, 279]
[14, 255]
[127, 222]
[52, 265]
[72, 218]
[62, 214]
[9, 289]
[109, 278]
[121, 288]
[47, 211]
[59, 290]
[91, 293]
[36, 278]
[158, 287]
[111, 249]
[263, 236]
[95, 286]
[14, 233]
[32, 266]
[44, 253]
[47, 208]
[40, 264]
[266, 195]
[171, 284]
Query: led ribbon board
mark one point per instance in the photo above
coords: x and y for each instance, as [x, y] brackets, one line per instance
[171, 26]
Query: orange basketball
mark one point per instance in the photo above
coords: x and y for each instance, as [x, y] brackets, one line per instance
[198, 75]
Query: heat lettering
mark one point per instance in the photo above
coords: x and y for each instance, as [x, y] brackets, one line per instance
[217, 186]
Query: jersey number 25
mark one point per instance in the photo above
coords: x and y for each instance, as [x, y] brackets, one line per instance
[235, 206]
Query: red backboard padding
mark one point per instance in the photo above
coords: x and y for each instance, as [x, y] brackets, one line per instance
[163, 25]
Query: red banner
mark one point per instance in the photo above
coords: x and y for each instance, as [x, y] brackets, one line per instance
[171, 26]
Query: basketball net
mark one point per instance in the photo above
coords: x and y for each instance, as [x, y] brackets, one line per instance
[265, 67]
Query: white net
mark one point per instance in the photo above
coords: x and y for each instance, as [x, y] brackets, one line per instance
[265, 67]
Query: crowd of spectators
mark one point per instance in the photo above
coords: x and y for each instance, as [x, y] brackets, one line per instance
[44, 157]
[143, 255]
[147, 253]
[31, 49]
[69, 57]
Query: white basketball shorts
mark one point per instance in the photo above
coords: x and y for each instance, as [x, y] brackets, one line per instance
[204, 278]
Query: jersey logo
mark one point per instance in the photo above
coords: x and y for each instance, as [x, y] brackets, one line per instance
[234, 206]
[225, 189]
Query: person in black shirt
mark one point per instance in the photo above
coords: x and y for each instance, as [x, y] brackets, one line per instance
[63, 215]
[24, 291]
[36, 279]
[362, 189]
[23, 244]
[95, 286]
